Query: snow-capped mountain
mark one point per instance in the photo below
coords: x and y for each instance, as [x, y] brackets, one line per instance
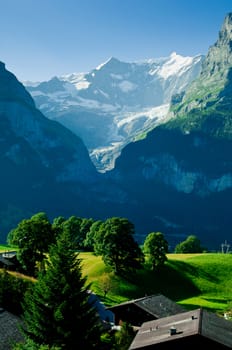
[115, 102]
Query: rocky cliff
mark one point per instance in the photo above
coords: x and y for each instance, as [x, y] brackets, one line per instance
[40, 160]
[179, 178]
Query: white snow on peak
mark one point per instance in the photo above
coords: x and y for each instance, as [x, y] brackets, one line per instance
[103, 64]
[84, 84]
[78, 80]
[112, 60]
[116, 76]
[127, 86]
[73, 77]
[177, 64]
[159, 113]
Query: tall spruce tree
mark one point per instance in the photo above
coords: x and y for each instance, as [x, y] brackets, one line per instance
[57, 311]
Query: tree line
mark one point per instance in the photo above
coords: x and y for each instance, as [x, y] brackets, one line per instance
[56, 310]
[113, 239]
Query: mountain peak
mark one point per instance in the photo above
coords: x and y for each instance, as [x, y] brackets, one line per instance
[225, 34]
[110, 62]
[219, 59]
[10, 86]
[2, 66]
[228, 21]
[215, 70]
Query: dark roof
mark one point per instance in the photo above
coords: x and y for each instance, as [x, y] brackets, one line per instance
[216, 328]
[9, 329]
[5, 261]
[157, 305]
[190, 323]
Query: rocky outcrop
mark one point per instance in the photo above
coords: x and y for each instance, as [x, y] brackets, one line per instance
[208, 89]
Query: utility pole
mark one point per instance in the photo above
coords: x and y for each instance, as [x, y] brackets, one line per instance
[225, 247]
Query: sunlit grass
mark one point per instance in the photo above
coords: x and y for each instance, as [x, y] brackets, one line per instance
[4, 248]
[212, 275]
[193, 280]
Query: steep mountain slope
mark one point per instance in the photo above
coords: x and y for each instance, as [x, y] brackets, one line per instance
[39, 158]
[109, 106]
[211, 93]
[179, 179]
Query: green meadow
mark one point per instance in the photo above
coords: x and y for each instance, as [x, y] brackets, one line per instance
[192, 280]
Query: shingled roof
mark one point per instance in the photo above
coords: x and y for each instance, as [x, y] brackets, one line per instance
[188, 328]
[9, 330]
[157, 305]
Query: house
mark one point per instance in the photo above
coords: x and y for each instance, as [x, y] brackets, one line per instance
[9, 330]
[148, 308]
[187, 329]
[5, 263]
[8, 260]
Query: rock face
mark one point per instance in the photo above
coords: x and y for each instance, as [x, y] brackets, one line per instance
[39, 158]
[182, 171]
[176, 179]
[215, 76]
[109, 106]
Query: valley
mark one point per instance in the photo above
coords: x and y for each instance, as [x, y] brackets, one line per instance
[160, 127]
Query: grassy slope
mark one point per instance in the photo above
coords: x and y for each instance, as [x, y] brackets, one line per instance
[192, 280]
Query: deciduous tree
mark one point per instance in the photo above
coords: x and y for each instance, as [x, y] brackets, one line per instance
[33, 237]
[156, 247]
[115, 242]
[90, 236]
[191, 245]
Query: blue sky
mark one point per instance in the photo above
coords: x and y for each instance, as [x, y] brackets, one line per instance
[43, 38]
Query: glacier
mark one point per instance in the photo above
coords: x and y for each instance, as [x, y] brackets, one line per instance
[117, 101]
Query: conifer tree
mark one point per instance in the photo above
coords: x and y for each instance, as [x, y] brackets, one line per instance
[57, 311]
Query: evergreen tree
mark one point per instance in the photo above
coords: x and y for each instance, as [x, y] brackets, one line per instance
[57, 311]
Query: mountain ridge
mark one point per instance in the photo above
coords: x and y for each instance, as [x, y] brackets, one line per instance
[109, 106]
[40, 159]
[175, 178]
[182, 170]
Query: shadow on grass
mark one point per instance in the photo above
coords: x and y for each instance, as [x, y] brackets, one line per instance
[172, 280]
[194, 271]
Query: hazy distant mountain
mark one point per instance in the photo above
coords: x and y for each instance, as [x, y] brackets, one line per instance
[109, 106]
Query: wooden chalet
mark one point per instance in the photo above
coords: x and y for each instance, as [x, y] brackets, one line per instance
[189, 329]
[148, 308]
[8, 260]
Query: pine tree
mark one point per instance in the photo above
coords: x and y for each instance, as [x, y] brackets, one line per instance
[57, 311]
